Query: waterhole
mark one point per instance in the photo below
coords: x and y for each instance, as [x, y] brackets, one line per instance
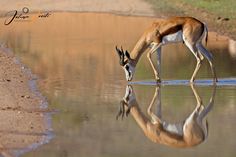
[74, 56]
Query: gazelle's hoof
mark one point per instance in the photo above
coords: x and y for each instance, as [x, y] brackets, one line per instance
[191, 81]
[215, 80]
[158, 80]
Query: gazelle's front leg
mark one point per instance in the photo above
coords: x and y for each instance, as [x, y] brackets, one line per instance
[154, 48]
[197, 97]
[156, 95]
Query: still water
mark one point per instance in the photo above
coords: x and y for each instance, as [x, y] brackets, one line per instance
[73, 54]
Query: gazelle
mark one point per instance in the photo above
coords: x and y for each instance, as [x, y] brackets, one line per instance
[188, 30]
[191, 132]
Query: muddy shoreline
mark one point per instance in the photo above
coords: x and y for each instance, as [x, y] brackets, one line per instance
[25, 123]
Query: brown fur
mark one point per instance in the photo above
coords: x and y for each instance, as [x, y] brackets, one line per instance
[191, 27]
[192, 35]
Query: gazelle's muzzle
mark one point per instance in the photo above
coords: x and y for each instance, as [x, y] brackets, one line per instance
[129, 78]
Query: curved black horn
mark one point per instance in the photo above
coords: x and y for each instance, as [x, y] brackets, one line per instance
[121, 55]
[118, 51]
[127, 54]
[122, 49]
[121, 110]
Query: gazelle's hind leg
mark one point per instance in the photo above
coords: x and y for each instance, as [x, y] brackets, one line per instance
[208, 55]
[199, 58]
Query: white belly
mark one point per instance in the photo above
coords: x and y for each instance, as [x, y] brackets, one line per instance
[173, 38]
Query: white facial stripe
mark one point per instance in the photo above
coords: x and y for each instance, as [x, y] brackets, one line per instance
[127, 74]
[129, 71]
[129, 95]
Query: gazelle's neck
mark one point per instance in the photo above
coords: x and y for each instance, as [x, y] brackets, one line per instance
[138, 50]
[139, 117]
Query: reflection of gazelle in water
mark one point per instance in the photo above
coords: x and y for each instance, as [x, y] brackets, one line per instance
[191, 132]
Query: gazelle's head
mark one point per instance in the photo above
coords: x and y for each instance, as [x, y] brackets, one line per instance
[128, 101]
[126, 63]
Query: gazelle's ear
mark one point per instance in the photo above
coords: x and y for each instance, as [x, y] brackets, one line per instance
[127, 54]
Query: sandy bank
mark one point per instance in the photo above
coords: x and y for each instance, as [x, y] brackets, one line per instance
[23, 125]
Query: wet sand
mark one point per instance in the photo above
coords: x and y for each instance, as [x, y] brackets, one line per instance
[23, 124]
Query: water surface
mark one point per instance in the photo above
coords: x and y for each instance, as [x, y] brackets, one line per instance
[73, 54]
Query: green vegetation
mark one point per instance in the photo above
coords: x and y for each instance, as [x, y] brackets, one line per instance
[222, 8]
[165, 7]
[220, 15]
